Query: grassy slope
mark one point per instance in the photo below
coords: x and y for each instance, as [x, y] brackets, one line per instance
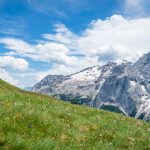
[38, 122]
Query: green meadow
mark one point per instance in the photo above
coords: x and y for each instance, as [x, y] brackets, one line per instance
[30, 121]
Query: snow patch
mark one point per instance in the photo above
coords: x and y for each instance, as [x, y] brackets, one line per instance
[133, 83]
[90, 74]
[143, 89]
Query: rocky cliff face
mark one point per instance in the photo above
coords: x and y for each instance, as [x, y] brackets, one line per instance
[122, 88]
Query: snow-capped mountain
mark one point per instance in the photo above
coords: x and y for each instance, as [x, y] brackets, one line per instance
[123, 88]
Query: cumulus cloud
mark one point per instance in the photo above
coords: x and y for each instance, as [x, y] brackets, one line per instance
[4, 75]
[45, 51]
[63, 35]
[112, 39]
[13, 63]
[17, 45]
[53, 53]
[128, 38]
[8, 65]
[115, 38]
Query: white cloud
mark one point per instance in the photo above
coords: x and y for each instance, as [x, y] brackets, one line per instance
[113, 39]
[4, 75]
[53, 53]
[17, 45]
[64, 69]
[127, 37]
[50, 52]
[116, 37]
[63, 35]
[13, 63]
[115, 34]
[9, 65]
[135, 7]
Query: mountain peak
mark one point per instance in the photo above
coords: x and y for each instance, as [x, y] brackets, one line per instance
[144, 59]
[108, 66]
[124, 87]
[110, 63]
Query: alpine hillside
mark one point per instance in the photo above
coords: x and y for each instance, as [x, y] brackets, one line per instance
[31, 121]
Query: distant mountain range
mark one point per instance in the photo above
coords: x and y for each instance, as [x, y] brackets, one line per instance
[123, 88]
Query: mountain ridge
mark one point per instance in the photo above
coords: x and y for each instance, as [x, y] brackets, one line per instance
[125, 86]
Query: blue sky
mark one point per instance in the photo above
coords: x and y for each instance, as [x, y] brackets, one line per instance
[41, 37]
[35, 17]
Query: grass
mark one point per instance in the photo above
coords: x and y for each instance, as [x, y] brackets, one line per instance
[30, 121]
